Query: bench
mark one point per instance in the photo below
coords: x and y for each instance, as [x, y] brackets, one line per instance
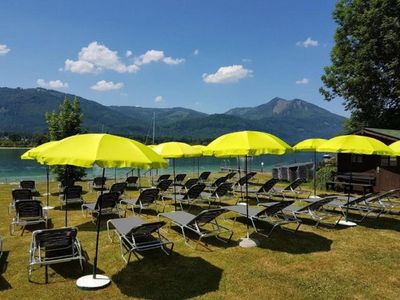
[349, 187]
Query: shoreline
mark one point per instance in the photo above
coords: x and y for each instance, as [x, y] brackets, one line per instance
[14, 148]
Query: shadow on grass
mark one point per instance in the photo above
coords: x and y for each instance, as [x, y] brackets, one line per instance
[301, 242]
[162, 277]
[68, 271]
[383, 222]
[4, 284]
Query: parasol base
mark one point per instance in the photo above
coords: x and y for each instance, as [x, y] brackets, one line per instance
[249, 243]
[89, 283]
[346, 223]
[314, 197]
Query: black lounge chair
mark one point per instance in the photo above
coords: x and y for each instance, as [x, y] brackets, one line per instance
[71, 195]
[99, 183]
[271, 213]
[20, 194]
[265, 189]
[383, 202]
[108, 203]
[314, 210]
[132, 182]
[179, 178]
[360, 204]
[118, 187]
[230, 175]
[28, 184]
[243, 181]
[217, 182]
[163, 177]
[198, 224]
[188, 184]
[294, 189]
[146, 198]
[53, 246]
[63, 184]
[192, 195]
[215, 196]
[136, 235]
[163, 187]
[27, 212]
[204, 176]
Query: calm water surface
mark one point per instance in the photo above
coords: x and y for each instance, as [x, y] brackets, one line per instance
[14, 169]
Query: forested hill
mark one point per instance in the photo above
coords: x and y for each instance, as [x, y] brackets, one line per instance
[23, 110]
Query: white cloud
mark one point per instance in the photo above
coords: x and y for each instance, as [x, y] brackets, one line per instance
[158, 99]
[173, 61]
[229, 74]
[4, 49]
[95, 58]
[303, 81]
[53, 84]
[103, 85]
[246, 60]
[155, 56]
[196, 52]
[309, 42]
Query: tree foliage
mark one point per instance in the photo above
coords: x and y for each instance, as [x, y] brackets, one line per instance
[64, 123]
[365, 69]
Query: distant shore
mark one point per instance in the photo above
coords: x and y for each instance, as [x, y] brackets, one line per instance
[16, 147]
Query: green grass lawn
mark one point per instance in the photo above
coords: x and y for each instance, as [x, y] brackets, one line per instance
[361, 262]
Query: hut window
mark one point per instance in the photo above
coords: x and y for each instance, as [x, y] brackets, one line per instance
[388, 161]
[356, 158]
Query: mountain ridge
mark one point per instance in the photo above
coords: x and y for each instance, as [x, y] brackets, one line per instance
[23, 110]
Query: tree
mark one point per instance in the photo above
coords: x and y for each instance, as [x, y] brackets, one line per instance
[365, 68]
[63, 123]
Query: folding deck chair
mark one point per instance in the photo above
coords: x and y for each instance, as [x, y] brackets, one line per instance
[118, 187]
[188, 184]
[71, 195]
[28, 184]
[314, 210]
[204, 224]
[108, 203]
[265, 189]
[20, 194]
[204, 176]
[179, 178]
[215, 196]
[163, 187]
[132, 182]
[217, 182]
[293, 188]
[146, 198]
[243, 181]
[53, 246]
[191, 196]
[163, 177]
[384, 201]
[136, 235]
[271, 213]
[98, 183]
[27, 212]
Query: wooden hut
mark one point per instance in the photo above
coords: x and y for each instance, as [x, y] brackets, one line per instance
[384, 169]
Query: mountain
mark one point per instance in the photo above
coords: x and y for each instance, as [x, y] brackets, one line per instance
[23, 110]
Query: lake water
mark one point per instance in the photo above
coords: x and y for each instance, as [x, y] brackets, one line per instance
[14, 169]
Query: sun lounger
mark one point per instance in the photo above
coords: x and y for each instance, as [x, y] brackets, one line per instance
[132, 182]
[204, 224]
[118, 187]
[179, 178]
[98, 183]
[293, 189]
[136, 235]
[217, 182]
[271, 213]
[163, 177]
[204, 176]
[146, 198]
[215, 196]
[314, 210]
[28, 184]
[265, 189]
[63, 184]
[20, 194]
[239, 185]
[230, 175]
[188, 184]
[72, 195]
[383, 202]
[192, 195]
[53, 246]
[106, 204]
[27, 212]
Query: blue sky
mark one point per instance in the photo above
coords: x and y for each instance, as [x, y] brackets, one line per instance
[206, 55]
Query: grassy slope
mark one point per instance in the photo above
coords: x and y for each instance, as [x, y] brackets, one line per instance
[360, 262]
